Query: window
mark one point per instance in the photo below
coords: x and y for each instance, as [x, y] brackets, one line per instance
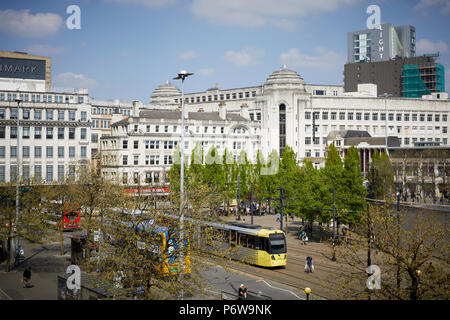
[2, 132]
[71, 152]
[436, 118]
[49, 152]
[136, 160]
[37, 152]
[37, 132]
[406, 117]
[350, 116]
[26, 151]
[429, 117]
[60, 172]
[71, 115]
[125, 160]
[358, 116]
[2, 173]
[94, 137]
[83, 116]
[83, 152]
[444, 129]
[156, 128]
[37, 114]
[2, 113]
[316, 140]
[125, 144]
[324, 115]
[60, 114]
[167, 159]
[406, 141]
[49, 132]
[49, 173]
[136, 144]
[391, 117]
[13, 151]
[307, 140]
[49, 114]
[382, 116]
[26, 114]
[374, 116]
[2, 151]
[366, 116]
[444, 117]
[341, 115]
[307, 115]
[333, 116]
[83, 134]
[125, 178]
[26, 132]
[60, 133]
[60, 152]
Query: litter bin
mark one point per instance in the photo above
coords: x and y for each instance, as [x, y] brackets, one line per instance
[79, 250]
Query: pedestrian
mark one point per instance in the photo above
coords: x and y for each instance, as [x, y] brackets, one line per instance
[304, 237]
[309, 265]
[27, 278]
[242, 293]
[278, 217]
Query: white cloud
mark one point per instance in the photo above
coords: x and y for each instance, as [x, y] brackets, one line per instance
[425, 46]
[149, 3]
[23, 24]
[323, 60]
[72, 80]
[427, 4]
[44, 50]
[247, 56]
[207, 72]
[188, 55]
[259, 13]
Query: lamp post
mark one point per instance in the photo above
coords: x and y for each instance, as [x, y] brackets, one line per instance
[334, 224]
[398, 236]
[17, 254]
[183, 74]
[307, 292]
[386, 95]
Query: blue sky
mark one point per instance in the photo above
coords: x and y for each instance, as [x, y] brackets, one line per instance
[126, 48]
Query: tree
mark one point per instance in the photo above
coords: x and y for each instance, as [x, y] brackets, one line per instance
[421, 256]
[353, 189]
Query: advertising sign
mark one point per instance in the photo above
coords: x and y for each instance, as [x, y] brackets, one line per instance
[22, 68]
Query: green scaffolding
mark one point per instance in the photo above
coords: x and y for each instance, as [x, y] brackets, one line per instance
[413, 86]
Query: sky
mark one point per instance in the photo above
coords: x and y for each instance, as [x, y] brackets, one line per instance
[124, 49]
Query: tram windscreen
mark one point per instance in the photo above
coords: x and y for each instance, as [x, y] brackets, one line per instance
[277, 243]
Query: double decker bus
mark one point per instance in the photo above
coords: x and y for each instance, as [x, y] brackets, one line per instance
[70, 217]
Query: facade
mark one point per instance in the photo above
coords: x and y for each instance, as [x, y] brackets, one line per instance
[141, 148]
[381, 44]
[402, 77]
[54, 131]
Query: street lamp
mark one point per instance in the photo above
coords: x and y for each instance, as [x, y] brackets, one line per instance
[386, 95]
[307, 291]
[16, 261]
[183, 74]
[334, 224]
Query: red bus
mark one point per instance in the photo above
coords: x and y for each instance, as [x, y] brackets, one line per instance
[72, 216]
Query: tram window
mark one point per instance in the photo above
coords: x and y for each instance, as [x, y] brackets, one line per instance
[251, 242]
[243, 240]
[258, 243]
[233, 238]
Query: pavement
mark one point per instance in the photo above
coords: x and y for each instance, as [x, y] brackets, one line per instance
[46, 264]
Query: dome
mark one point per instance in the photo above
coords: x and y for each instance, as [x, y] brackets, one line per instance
[165, 94]
[284, 79]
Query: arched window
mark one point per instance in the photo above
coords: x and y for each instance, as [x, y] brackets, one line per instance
[282, 111]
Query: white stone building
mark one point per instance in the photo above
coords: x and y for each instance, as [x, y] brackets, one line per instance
[54, 133]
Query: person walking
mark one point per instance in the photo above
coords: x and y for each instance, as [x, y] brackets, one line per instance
[304, 237]
[242, 292]
[309, 265]
[27, 278]
[278, 217]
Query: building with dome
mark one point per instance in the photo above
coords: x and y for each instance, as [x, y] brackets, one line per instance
[284, 111]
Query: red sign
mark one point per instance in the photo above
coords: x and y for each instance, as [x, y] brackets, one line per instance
[147, 190]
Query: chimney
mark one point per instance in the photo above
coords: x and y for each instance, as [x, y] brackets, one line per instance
[136, 107]
[244, 111]
[222, 111]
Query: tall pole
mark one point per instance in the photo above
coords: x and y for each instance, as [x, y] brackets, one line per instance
[251, 205]
[16, 261]
[182, 75]
[334, 224]
[239, 197]
[281, 208]
[398, 237]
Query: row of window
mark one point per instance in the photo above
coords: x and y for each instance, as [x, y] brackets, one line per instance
[25, 97]
[150, 177]
[398, 129]
[367, 116]
[149, 159]
[99, 110]
[406, 141]
[104, 124]
[38, 133]
[219, 97]
[38, 114]
[37, 173]
[48, 151]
